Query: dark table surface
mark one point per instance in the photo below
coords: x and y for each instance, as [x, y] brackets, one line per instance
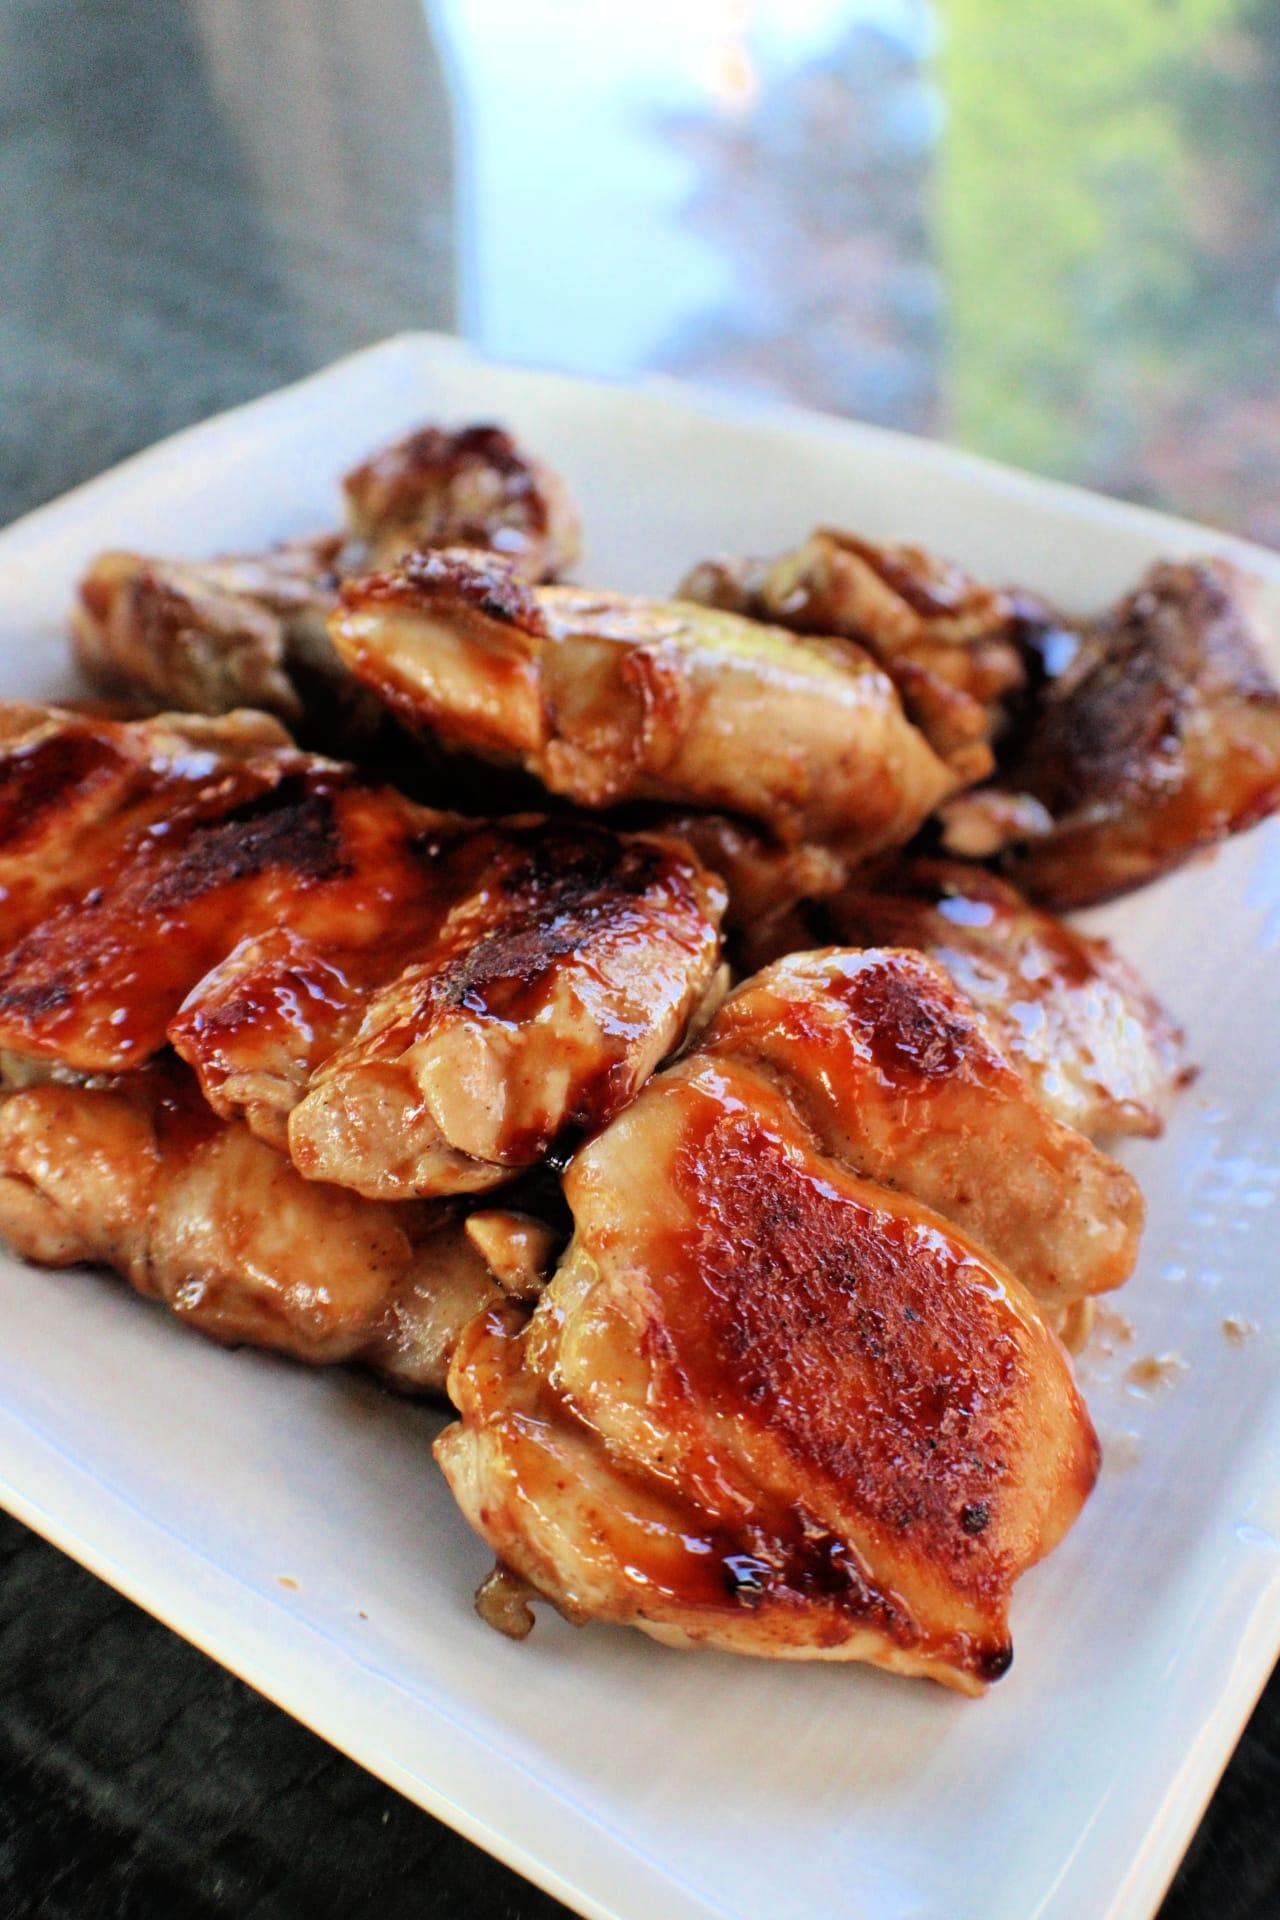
[1048, 233]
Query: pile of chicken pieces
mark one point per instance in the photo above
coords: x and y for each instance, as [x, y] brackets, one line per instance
[644, 1021]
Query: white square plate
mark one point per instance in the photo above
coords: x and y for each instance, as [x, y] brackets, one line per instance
[634, 1782]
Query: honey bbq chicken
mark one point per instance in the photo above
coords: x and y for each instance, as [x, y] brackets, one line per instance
[949, 644]
[899, 1079]
[210, 635]
[1065, 1008]
[1160, 737]
[205, 636]
[608, 699]
[411, 1003]
[805, 1406]
[138, 1174]
[74, 794]
[472, 488]
[778, 1366]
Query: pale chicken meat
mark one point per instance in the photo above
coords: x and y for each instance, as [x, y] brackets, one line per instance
[137, 1174]
[518, 1249]
[609, 699]
[949, 643]
[1068, 1011]
[409, 1002]
[251, 630]
[791, 1410]
[1160, 737]
[207, 636]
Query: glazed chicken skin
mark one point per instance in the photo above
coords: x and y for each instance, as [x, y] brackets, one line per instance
[1161, 737]
[138, 1174]
[608, 699]
[251, 630]
[532, 978]
[949, 643]
[791, 1411]
[413, 1004]
[74, 793]
[472, 488]
[899, 1079]
[1066, 1009]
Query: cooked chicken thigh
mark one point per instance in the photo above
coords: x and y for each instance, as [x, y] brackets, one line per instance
[608, 699]
[948, 643]
[1161, 737]
[765, 881]
[899, 1079]
[1070, 1014]
[415, 1004]
[791, 1410]
[524, 985]
[210, 635]
[252, 630]
[137, 1174]
[76, 793]
[472, 488]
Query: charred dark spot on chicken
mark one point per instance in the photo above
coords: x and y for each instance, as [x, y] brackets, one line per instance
[1159, 737]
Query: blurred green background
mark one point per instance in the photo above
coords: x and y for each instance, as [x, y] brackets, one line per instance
[1048, 229]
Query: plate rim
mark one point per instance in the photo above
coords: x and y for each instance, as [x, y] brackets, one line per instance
[686, 395]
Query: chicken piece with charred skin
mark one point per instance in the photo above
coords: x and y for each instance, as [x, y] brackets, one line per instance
[526, 988]
[794, 1409]
[412, 1003]
[472, 488]
[899, 1079]
[251, 630]
[1160, 737]
[948, 643]
[76, 792]
[1068, 1011]
[138, 1174]
[610, 699]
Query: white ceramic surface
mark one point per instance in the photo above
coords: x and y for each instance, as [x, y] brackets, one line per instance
[634, 1782]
